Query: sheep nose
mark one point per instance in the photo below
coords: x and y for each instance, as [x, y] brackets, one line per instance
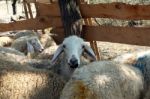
[73, 63]
[41, 50]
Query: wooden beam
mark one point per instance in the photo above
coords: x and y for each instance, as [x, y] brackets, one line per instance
[109, 10]
[31, 1]
[31, 24]
[126, 35]
[48, 9]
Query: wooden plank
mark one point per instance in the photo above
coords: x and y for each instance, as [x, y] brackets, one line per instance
[110, 10]
[25, 9]
[48, 9]
[127, 35]
[30, 10]
[116, 10]
[31, 1]
[93, 44]
[31, 24]
[96, 50]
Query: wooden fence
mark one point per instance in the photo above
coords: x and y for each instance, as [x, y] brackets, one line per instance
[48, 15]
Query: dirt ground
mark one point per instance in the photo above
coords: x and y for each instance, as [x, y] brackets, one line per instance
[109, 50]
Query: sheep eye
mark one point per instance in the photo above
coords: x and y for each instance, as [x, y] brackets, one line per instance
[64, 46]
[83, 46]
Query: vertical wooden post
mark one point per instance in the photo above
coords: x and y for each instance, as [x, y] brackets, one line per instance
[30, 11]
[93, 44]
[25, 9]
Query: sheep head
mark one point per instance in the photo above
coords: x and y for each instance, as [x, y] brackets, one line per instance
[36, 44]
[73, 48]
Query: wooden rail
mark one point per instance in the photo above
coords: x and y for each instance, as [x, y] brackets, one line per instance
[112, 10]
[31, 24]
[128, 35]
[48, 15]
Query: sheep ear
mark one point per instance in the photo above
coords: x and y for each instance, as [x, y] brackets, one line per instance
[57, 54]
[89, 52]
[30, 50]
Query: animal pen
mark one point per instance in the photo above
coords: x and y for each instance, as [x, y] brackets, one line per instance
[48, 15]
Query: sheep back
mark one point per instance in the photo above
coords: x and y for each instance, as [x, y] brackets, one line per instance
[20, 44]
[24, 82]
[104, 80]
[25, 33]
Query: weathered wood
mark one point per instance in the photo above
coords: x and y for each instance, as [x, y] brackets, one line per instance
[31, 24]
[93, 44]
[30, 10]
[111, 10]
[127, 35]
[31, 1]
[44, 9]
[25, 9]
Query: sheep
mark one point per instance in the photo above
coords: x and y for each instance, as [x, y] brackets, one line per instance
[104, 80]
[24, 82]
[14, 55]
[47, 53]
[47, 40]
[72, 48]
[10, 50]
[25, 33]
[28, 45]
[140, 60]
[37, 63]
[147, 95]
[5, 41]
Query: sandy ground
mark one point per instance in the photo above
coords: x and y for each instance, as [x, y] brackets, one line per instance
[6, 11]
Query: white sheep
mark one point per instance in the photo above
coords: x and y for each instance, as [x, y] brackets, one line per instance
[72, 49]
[12, 54]
[104, 80]
[47, 53]
[5, 41]
[18, 57]
[140, 60]
[47, 40]
[10, 50]
[147, 94]
[28, 45]
[25, 33]
[19, 81]
[7, 38]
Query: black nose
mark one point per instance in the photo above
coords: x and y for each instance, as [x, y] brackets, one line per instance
[73, 63]
[41, 50]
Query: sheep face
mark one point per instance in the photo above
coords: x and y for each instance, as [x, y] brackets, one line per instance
[73, 48]
[36, 44]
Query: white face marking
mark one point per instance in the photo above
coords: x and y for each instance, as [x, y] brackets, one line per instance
[73, 48]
